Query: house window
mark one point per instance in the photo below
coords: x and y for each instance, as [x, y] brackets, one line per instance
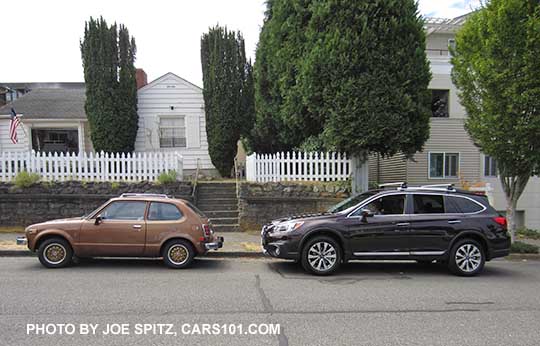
[172, 132]
[443, 165]
[451, 44]
[490, 166]
[439, 103]
[55, 140]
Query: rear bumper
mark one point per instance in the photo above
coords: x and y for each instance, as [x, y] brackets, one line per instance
[500, 253]
[216, 244]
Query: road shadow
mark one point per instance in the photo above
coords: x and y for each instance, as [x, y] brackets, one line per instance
[385, 270]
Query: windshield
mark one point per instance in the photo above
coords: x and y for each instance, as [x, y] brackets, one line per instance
[350, 202]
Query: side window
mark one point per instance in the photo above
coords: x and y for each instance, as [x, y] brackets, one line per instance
[428, 204]
[387, 205]
[163, 211]
[451, 206]
[465, 205]
[128, 210]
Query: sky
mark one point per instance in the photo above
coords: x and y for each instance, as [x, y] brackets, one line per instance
[41, 38]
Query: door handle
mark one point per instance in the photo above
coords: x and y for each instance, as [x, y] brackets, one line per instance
[402, 224]
[137, 227]
[454, 221]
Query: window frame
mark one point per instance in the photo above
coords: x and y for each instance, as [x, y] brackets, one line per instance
[444, 153]
[184, 127]
[95, 215]
[372, 198]
[168, 220]
[492, 160]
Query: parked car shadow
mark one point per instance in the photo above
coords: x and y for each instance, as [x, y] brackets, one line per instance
[384, 270]
[143, 263]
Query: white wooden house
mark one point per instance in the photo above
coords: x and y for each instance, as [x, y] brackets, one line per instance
[171, 118]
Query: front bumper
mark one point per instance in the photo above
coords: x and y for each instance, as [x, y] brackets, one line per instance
[217, 244]
[21, 240]
[279, 249]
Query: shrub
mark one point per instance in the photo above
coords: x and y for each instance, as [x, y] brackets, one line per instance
[528, 233]
[521, 247]
[26, 179]
[168, 177]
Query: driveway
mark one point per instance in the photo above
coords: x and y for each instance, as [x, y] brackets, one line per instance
[365, 304]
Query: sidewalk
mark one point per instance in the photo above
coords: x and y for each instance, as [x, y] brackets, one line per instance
[237, 244]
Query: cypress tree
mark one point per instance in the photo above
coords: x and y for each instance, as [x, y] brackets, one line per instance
[111, 104]
[227, 92]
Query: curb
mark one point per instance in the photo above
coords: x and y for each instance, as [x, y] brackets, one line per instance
[217, 254]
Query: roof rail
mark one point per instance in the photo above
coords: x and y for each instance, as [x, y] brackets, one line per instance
[124, 195]
[449, 187]
[401, 184]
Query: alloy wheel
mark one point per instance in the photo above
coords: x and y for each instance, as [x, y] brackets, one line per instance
[322, 256]
[178, 254]
[54, 253]
[468, 257]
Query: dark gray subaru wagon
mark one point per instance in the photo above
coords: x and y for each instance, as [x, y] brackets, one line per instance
[426, 223]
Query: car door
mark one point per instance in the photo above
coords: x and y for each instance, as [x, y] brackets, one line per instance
[120, 230]
[162, 220]
[434, 222]
[382, 233]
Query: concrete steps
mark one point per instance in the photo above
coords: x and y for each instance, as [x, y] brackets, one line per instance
[219, 202]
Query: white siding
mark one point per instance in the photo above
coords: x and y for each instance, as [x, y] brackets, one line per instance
[156, 100]
[5, 141]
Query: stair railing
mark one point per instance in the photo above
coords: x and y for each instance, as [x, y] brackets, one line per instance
[195, 181]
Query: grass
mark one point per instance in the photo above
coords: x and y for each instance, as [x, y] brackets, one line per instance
[528, 233]
[11, 229]
[251, 247]
[521, 247]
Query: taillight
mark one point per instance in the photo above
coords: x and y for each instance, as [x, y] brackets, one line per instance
[501, 220]
[207, 230]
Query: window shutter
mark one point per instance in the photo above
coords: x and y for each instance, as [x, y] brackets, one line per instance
[193, 131]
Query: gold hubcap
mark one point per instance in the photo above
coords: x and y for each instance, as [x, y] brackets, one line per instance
[178, 254]
[55, 253]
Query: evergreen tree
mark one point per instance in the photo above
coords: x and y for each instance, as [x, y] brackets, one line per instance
[228, 94]
[111, 104]
[496, 67]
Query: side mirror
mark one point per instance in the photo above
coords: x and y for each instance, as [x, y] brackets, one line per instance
[98, 220]
[365, 214]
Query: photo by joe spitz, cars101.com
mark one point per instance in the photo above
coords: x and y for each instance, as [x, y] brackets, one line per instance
[396, 222]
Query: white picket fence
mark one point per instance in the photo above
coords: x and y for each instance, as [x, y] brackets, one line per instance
[90, 167]
[294, 166]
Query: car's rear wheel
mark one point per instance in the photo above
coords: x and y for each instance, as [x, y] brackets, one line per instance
[321, 256]
[178, 254]
[55, 253]
[467, 258]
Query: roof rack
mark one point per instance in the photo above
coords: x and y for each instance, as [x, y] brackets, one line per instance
[124, 195]
[401, 184]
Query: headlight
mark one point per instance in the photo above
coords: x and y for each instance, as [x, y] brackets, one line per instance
[289, 226]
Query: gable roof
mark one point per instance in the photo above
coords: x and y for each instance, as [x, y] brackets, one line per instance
[49, 104]
[167, 75]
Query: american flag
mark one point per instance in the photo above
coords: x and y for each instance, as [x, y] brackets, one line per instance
[15, 121]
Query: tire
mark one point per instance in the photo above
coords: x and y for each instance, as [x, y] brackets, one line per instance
[467, 258]
[55, 253]
[178, 254]
[328, 248]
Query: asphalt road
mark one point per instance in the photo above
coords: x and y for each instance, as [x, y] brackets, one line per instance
[365, 304]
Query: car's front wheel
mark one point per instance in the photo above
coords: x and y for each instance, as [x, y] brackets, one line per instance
[178, 254]
[55, 253]
[321, 256]
[467, 258]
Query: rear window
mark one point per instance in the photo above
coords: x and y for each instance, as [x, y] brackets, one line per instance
[465, 205]
[196, 210]
[163, 212]
[428, 204]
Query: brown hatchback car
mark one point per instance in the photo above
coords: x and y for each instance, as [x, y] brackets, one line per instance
[132, 225]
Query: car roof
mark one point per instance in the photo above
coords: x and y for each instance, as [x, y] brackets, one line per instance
[148, 198]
